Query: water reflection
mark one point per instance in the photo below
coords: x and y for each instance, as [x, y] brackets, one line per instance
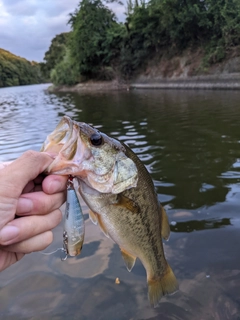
[197, 225]
[189, 142]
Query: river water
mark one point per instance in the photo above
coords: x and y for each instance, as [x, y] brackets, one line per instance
[190, 143]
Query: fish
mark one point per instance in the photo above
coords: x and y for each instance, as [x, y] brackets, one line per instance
[74, 227]
[121, 196]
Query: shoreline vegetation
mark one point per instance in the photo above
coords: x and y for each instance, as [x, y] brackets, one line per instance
[16, 71]
[175, 73]
[161, 44]
[165, 75]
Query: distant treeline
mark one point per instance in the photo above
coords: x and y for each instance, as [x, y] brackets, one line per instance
[99, 47]
[15, 71]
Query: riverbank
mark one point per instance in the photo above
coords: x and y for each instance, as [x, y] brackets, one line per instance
[187, 71]
[205, 83]
[179, 72]
[91, 86]
[232, 82]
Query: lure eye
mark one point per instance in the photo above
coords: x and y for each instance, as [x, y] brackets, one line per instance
[96, 139]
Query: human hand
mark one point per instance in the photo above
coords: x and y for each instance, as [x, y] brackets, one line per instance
[35, 200]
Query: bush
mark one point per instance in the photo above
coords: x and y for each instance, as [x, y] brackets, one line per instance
[64, 72]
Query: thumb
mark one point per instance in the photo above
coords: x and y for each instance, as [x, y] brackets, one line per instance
[15, 176]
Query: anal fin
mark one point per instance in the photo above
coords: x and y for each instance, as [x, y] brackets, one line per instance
[161, 286]
[128, 259]
[165, 224]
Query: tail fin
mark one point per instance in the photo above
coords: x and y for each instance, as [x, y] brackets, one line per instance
[162, 286]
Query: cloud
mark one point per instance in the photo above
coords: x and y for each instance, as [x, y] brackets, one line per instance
[19, 7]
[28, 26]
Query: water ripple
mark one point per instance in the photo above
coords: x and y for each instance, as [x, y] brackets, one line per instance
[230, 175]
[27, 116]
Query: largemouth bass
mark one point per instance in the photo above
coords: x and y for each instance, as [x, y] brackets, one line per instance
[121, 196]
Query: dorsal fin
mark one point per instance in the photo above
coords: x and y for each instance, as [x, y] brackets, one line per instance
[165, 224]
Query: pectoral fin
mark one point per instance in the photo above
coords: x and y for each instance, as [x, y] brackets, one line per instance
[126, 203]
[102, 226]
[96, 219]
[128, 259]
[165, 225]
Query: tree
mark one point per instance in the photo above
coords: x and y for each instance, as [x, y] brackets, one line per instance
[101, 48]
[55, 54]
[92, 26]
[16, 71]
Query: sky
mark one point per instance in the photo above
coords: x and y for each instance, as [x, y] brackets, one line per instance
[28, 26]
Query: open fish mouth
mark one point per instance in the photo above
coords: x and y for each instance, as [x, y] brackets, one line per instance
[90, 155]
[63, 142]
[61, 135]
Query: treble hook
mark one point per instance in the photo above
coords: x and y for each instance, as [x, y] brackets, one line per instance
[64, 248]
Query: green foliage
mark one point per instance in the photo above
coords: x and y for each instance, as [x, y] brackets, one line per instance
[94, 26]
[224, 16]
[173, 25]
[138, 43]
[101, 48]
[55, 54]
[15, 71]
[64, 72]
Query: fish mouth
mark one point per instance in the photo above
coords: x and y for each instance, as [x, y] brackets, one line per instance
[60, 136]
[63, 144]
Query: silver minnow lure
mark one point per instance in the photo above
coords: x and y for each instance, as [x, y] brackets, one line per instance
[74, 229]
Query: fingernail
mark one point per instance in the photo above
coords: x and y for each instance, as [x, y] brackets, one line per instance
[24, 205]
[8, 233]
[55, 186]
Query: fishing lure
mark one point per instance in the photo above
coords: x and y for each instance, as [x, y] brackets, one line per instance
[74, 228]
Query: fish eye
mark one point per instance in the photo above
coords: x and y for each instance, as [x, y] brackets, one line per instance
[96, 139]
